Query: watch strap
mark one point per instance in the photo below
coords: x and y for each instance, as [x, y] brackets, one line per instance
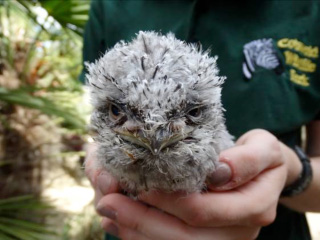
[304, 178]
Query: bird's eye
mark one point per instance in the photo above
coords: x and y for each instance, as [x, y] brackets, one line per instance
[114, 112]
[195, 112]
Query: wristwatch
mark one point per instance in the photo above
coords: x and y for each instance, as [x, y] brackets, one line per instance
[304, 178]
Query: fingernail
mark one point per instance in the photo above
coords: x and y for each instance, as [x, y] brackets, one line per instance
[107, 212]
[112, 229]
[220, 176]
[104, 182]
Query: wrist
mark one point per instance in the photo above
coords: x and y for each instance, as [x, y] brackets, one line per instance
[293, 165]
[304, 179]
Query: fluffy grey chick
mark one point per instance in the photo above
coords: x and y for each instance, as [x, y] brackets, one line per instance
[157, 113]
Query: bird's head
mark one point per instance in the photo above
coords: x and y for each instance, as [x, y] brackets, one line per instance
[161, 123]
[155, 99]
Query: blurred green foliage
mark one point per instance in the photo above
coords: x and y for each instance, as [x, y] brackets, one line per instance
[40, 45]
[15, 225]
[40, 61]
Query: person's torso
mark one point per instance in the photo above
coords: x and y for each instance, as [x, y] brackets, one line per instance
[269, 52]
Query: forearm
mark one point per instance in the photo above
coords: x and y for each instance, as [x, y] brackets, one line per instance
[307, 201]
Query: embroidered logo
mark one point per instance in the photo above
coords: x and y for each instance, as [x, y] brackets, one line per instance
[300, 59]
[260, 53]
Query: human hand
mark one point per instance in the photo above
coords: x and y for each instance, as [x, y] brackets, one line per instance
[258, 176]
[102, 182]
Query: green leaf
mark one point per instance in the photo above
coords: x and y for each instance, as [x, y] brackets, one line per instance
[5, 237]
[27, 8]
[25, 225]
[23, 98]
[13, 226]
[11, 205]
[71, 14]
[15, 232]
[15, 200]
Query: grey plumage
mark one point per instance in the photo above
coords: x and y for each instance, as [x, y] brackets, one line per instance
[157, 113]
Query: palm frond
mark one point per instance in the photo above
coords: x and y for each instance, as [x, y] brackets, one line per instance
[71, 15]
[12, 224]
[21, 97]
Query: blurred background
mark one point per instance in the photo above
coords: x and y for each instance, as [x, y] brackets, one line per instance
[44, 112]
[43, 122]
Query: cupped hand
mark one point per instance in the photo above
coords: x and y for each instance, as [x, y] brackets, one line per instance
[235, 210]
[133, 220]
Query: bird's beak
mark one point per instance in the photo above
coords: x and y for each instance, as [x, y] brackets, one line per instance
[154, 141]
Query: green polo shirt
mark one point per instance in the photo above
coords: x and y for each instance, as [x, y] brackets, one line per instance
[268, 50]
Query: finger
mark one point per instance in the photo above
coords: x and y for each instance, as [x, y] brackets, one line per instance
[105, 184]
[98, 176]
[90, 166]
[102, 182]
[231, 233]
[253, 204]
[114, 229]
[221, 175]
[110, 226]
[138, 217]
[134, 219]
[255, 152]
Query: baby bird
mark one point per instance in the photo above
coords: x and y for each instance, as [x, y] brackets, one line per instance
[157, 113]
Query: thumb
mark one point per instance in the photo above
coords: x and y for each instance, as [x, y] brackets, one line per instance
[246, 160]
[236, 166]
[220, 176]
